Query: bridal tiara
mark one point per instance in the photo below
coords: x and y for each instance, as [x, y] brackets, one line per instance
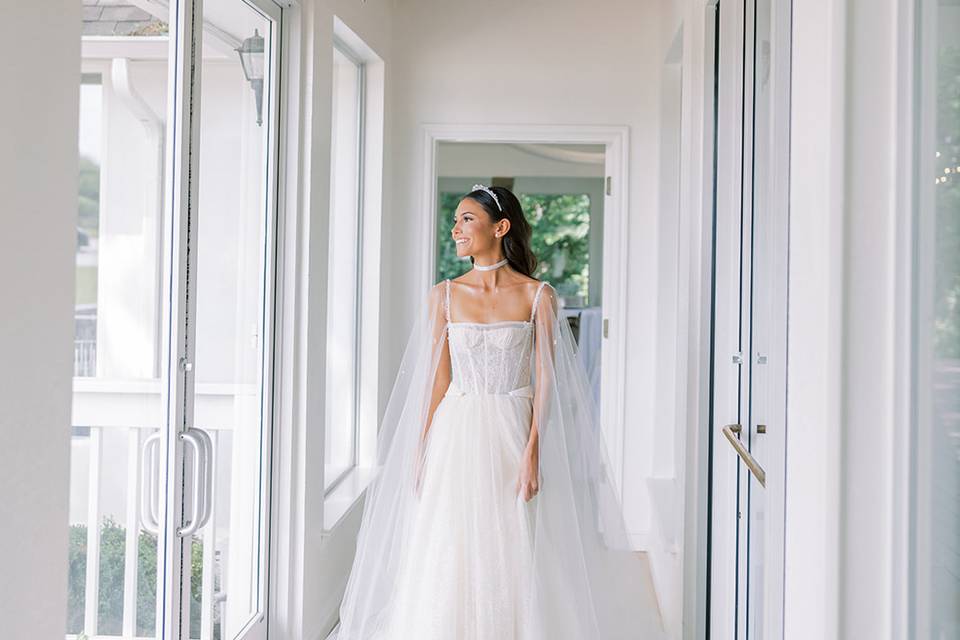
[490, 191]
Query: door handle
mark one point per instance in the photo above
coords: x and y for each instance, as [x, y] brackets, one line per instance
[732, 432]
[149, 509]
[202, 446]
[206, 494]
[191, 526]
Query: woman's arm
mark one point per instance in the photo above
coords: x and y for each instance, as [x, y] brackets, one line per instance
[545, 314]
[543, 348]
[441, 377]
[442, 374]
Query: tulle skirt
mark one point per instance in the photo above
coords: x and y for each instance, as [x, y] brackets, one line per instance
[465, 570]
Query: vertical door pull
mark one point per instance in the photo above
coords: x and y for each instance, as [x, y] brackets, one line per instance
[206, 491]
[149, 471]
[190, 527]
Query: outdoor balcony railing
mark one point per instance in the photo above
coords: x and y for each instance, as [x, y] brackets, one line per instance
[116, 595]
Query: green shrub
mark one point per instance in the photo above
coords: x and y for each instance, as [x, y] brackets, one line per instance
[110, 607]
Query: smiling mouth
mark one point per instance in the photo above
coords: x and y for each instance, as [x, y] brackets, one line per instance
[461, 242]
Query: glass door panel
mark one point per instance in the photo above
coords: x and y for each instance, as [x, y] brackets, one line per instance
[935, 562]
[233, 286]
[121, 317]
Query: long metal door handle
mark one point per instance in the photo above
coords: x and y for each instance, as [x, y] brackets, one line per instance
[206, 493]
[148, 483]
[194, 523]
[731, 431]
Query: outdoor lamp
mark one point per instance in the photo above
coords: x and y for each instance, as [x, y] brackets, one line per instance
[251, 58]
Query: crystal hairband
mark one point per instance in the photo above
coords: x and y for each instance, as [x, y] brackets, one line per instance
[490, 191]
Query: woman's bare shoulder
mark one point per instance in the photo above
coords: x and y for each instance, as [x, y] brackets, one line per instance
[437, 292]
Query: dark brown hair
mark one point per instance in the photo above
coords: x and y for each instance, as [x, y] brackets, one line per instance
[516, 242]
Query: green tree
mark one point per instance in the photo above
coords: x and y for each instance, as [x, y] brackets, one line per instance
[947, 199]
[88, 214]
[110, 606]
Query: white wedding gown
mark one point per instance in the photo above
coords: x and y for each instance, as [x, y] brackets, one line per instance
[470, 544]
[466, 557]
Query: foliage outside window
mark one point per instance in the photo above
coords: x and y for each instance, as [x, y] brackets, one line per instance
[110, 608]
[937, 370]
[947, 170]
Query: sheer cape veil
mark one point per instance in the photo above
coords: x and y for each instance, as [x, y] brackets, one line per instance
[586, 582]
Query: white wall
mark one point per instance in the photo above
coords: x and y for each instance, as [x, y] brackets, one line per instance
[539, 62]
[312, 565]
[40, 47]
[816, 237]
[840, 553]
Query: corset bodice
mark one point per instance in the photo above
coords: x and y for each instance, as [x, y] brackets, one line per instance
[490, 357]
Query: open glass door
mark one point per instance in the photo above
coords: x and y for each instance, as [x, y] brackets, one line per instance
[232, 284]
[748, 416]
[121, 422]
[173, 352]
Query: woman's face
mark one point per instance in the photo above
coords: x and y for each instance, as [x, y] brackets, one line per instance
[474, 231]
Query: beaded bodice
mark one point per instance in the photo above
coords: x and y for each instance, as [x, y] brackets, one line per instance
[492, 357]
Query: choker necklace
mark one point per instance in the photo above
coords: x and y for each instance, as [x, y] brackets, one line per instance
[490, 267]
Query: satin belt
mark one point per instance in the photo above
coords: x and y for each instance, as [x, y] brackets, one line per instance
[522, 392]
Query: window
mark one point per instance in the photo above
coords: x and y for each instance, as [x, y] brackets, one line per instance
[936, 597]
[345, 275]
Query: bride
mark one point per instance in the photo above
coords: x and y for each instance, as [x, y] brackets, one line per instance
[492, 515]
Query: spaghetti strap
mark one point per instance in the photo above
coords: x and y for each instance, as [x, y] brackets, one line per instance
[446, 300]
[536, 300]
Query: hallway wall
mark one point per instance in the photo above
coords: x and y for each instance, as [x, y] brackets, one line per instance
[312, 563]
[38, 180]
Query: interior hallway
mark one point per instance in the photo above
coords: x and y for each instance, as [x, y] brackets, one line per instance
[749, 207]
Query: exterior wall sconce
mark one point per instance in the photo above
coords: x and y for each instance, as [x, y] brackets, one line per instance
[251, 58]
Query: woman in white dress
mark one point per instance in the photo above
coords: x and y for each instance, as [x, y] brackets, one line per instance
[492, 516]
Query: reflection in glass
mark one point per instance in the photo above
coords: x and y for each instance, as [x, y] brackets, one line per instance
[937, 544]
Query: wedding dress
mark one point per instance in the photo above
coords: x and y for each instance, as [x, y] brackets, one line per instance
[448, 548]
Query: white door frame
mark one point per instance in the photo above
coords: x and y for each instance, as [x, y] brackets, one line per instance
[616, 141]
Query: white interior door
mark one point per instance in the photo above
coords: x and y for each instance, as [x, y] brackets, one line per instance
[748, 417]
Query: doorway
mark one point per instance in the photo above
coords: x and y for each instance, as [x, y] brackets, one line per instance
[578, 173]
[173, 352]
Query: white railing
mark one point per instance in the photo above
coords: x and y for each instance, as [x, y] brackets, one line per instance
[112, 407]
[84, 358]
